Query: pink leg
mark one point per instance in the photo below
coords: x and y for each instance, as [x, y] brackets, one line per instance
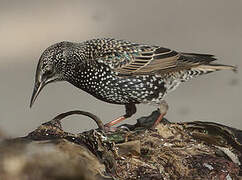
[130, 110]
[115, 121]
[158, 120]
[163, 110]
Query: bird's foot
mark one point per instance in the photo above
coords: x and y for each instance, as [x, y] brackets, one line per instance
[163, 110]
[108, 127]
[158, 120]
[115, 121]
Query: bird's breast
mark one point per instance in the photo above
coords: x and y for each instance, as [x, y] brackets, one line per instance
[107, 85]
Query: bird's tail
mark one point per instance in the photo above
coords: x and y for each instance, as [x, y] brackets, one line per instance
[204, 69]
[207, 68]
[203, 64]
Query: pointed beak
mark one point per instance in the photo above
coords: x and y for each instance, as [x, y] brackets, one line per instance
[40, 82]
[37, 88]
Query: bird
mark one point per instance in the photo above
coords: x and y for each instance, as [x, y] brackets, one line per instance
[121, 72]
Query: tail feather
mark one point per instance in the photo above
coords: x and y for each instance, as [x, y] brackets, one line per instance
[207, 68]
[203, 63]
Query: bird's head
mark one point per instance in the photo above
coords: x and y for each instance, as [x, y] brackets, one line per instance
[52, 66]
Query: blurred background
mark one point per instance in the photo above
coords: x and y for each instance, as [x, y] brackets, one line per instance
[28, 27]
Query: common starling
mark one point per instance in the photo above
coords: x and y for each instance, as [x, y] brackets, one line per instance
[121, 72]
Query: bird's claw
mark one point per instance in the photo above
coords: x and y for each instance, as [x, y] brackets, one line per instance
[109, 129]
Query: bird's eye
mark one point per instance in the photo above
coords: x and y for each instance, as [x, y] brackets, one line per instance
[48, 70]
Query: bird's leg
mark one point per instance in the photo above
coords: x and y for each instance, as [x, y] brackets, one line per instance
[130, 110]
[163, 110]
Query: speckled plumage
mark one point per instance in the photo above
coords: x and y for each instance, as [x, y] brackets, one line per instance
[121, 72]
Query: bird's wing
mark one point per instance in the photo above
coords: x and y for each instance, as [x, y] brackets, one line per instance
[135, 59]
[149, 60]
[139, 59]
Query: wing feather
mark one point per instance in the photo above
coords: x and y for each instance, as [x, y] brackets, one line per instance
[130, 59]
[149, 60]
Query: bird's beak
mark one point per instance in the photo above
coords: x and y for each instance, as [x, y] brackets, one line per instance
[40, 82]
[37, 88]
